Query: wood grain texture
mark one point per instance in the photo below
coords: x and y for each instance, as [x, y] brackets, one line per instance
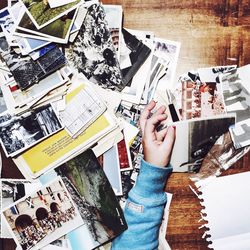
[211, 33]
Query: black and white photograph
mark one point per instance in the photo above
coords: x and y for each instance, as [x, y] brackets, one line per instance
[138, 53]
[27, 71]
[3, 106]
[42, 217]
[18, 133]
[114, 19]
[169, 51]
[237, 100]
[131, 113]
[91, 191]
[93, 53]
[194, 138]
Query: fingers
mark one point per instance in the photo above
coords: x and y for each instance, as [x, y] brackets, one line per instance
[145, 114]
[150, 125]
[169, 140]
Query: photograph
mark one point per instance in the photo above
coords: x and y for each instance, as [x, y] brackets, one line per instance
[240, 133]
[139, 82]
[91, 191]
[16, 97]
[42, 14]
[220, 157]
[7, 24]
[138, 53]
[27, 45]
[194, 138]
[114, 19]
[58, 30]
[3, 106]
[124, 156]
[28, 72]
[18, 133]
[13, 190]
[130, 114]
[169, 51]
[43, 216]
[111, 167]
[237, 100]
[93, 53]
[201, 99]
[81, 110]
[199, 93]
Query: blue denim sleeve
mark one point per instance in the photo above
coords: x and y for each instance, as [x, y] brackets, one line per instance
[144, 210]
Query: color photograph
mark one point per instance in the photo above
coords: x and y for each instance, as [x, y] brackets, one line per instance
[41, 14]
[42, 217]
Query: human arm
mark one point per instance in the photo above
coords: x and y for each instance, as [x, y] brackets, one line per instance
[146, 200]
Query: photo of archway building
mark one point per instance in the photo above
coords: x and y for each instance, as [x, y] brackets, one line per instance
[42, 217]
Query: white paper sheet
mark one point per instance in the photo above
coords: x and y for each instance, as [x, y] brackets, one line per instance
[227, 203]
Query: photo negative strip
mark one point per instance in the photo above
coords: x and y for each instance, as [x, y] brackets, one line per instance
[90, 189]
[43, 216]
[27, 71]
[20, 132]
[42, 14]
[93, 53]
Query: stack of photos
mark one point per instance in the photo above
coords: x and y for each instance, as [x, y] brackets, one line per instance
[74, 82]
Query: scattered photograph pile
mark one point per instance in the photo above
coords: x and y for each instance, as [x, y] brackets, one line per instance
[73, 84]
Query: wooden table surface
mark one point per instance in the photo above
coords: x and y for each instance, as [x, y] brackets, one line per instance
[211, 33]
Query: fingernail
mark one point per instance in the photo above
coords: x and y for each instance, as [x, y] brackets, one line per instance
[174, 127]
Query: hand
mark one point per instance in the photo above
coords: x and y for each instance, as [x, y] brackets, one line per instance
[157, 145]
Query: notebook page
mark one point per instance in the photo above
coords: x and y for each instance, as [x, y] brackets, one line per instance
[227, 206]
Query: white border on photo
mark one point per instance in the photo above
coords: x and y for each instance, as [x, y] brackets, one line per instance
[52, 19]
[28, 189]
[134, 93]
[167, 82]
[28, 45]
[58, 3]
[111, 167]
[43, 242]
[114, 19]
[42, 36]
[11, 154]
[19, 98]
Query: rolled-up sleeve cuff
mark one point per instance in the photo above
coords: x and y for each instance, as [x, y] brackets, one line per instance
[151, 179]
